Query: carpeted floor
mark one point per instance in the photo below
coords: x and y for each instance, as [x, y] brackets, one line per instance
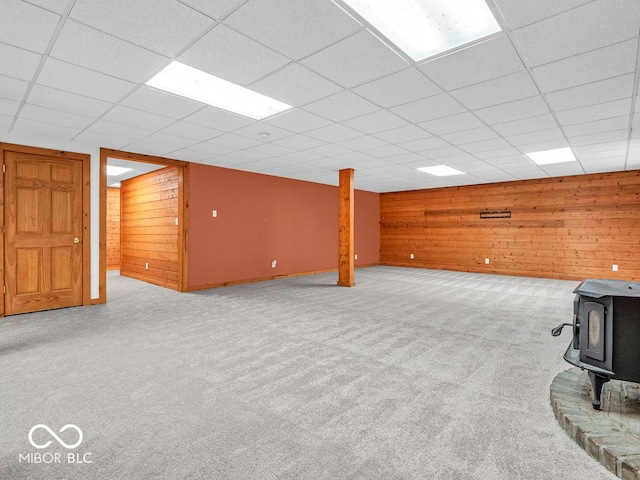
[412, 374]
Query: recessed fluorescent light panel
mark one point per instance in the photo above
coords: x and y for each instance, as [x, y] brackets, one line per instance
[423, 28]
[113, 171]
[194, 84]
[441, 171]
[557, 155]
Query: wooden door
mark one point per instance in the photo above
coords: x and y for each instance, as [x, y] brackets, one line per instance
[43, 237]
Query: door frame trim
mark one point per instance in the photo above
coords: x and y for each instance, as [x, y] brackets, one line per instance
[86, 212]
[183, 218]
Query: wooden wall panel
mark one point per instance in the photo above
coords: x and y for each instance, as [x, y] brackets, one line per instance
[567, 228]
[149, 234]
[113, 228]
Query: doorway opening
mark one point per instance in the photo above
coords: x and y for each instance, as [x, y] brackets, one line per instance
[143, 219]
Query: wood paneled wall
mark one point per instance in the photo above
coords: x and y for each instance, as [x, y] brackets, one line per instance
[568, 228]
[149, 209]
[113, 228]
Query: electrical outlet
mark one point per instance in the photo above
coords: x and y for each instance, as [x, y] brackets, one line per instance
[486, 261]
[273, 264]
[411, 256]
[614, 267]
[356, 256]
[214, 213]
[146, 266]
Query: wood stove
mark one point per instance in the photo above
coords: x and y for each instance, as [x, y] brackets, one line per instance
[606, 332]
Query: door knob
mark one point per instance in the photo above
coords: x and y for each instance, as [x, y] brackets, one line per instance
[76, 240]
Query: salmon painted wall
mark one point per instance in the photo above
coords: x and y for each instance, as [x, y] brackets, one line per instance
[261, 218]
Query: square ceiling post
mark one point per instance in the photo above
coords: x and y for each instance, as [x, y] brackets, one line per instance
[346, 244]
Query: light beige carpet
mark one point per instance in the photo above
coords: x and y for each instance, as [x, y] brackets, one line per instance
[412, 374]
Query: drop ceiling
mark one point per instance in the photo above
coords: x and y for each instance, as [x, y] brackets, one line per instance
[559, 74]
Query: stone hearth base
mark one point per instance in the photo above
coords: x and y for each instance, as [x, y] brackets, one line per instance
[611, 435]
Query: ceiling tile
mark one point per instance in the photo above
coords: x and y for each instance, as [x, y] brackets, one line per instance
[518, 13]
[234, 57]
[12, 89]
[601, 111]
[561, 169]
[297, 120]
[509, 161]
[255, 131]
[149, 148]
[217, 9]
[89, 48]
[55, 6]
[334, 133]
[598, 126]
[497, 91]
[468, 136]
[398, 88]
[155, 101]
[477, 63]
[429, 108]
[295, 85]
[376, 122]
[543, 145]
[533, 124]
[596, 92]
[588, 67]
[18, 63]
[346, 63]
[234, 141]
[219, 119]
[526, 108]
[26, 26]
[299, 142]
[485, 145]
[78, 80]
[341, 106]
[535, 137]
[591, 26]
[212, 148]
[453, 123]
[51, 131]
[403, 134]
[410, 159]
[173, 141]
[119, 130]
[188, 155]
[364, 142]
[268, 150]
[192, 131]
[388, 151]
[599, 138]
[33, 112]
[445, 153]
[310, 25]
[603, 147]
[423, 144]
[135, 118]
[498, 153]
[101, 140]
[328, 150]
[587, 157]
[8, 108]
[67, 102]
[162, 26]
[604, 166]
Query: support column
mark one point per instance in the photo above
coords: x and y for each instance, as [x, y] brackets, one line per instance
[346, 249]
